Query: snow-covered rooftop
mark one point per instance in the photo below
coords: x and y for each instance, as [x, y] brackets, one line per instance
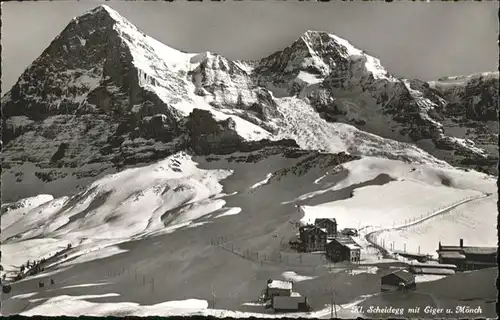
[280, 284]
[403, 274]
[436, 271]
[352, 246]
[452, 255]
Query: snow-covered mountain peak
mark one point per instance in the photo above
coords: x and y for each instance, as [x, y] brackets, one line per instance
[135, 38]
[323, 43]
[96, 52]
[103, 9]
[316, 57]
[105, 95]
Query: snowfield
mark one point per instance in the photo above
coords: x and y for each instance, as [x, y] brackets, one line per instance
[471, 222]
[14, 254]
[108, 208]
[183, 197]
[76, 306]
[171, 193]
[427, 277]
[360, 211]
[411, 179]
[292, 276]
[11, 212]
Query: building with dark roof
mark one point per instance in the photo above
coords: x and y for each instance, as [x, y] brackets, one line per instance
[342, 248]
[312, 238]
[330, 224]
[290, 304]
[350, 232]
[397, 280]
[467, 257]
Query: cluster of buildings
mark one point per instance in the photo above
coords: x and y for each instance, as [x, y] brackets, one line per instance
[451, 258]
[279, 294]
[324, 236]
[467, 257]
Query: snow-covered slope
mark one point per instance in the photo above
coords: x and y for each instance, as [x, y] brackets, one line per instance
[162, 220]
[109, 209]
[438, 190]
[12, 212]
[479, 215]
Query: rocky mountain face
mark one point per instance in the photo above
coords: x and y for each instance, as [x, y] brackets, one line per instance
[471, 113]
[104, 95]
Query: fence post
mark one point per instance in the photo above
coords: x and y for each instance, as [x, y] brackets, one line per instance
[143, 280]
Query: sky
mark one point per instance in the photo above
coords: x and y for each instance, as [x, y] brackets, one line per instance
[412, 39]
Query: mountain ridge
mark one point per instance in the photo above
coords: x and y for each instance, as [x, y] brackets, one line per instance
[104, 94]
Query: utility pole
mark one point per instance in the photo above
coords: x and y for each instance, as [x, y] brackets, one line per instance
[333, 307]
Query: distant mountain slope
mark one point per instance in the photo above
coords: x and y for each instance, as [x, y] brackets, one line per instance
[104, 95]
